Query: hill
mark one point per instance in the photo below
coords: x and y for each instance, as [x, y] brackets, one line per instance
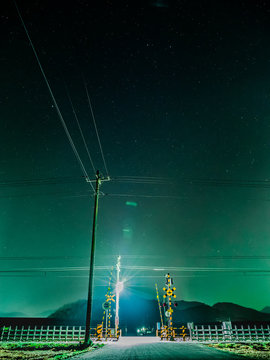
[266, 310]
[137, 312]
[237, 313]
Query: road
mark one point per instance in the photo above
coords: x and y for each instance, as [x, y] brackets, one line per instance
[148, 348]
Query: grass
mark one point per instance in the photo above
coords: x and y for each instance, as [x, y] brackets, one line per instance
[252, 350]
[46, 351]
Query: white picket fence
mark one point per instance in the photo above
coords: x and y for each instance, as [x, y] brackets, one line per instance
[45, 333]
[216, 333]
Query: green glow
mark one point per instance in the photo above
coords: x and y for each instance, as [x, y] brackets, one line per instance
[131, 203]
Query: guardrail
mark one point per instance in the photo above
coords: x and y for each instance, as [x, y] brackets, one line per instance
[197, 333]
[218, 333]
[46, 333]
[231, 334]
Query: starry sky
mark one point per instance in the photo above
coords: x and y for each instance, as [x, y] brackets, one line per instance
[181, 100]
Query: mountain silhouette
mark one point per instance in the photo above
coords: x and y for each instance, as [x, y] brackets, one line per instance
[139, 312]
[266, 309]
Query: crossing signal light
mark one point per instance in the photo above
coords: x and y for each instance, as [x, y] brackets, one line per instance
[175, 304]
[164, 304]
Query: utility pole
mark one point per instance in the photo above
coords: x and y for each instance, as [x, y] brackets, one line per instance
[87, 340]
[119, 286]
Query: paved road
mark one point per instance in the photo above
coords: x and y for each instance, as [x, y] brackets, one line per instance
[146, 348]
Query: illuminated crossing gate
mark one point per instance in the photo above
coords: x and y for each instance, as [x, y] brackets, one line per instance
[168, 296]
[167, 330]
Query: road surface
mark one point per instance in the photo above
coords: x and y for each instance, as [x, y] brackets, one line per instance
[148, 348]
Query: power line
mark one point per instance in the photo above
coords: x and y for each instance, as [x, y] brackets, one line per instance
[141, 268]
[148, 196]
[95, 125]
[38, 258]
[81, 132]
[139, 180]
[71, 257]
[53, 99]
[227, 183]
[63, 194]
[42, 181]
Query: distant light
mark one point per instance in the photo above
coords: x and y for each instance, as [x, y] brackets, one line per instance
[159, 269]
[138, 330]
[119, 286]
[131, 203]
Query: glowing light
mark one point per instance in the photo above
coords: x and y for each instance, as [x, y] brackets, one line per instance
[119, 286]
[131, 203]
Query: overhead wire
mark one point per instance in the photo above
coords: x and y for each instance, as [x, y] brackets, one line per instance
[128, 257]
[61, 193]
[140, 180]
[81, 132]
[95, 125]
[41, 181]
[54, 100]
[147, 196]
[141, 268]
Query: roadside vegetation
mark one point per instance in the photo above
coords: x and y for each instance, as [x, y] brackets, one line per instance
[253, 350]
[44, 351]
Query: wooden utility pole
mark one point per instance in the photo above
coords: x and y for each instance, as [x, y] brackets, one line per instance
[87, 340]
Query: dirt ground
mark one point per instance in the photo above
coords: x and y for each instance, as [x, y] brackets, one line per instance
[251, 351]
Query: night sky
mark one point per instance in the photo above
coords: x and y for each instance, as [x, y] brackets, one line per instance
[181, 97]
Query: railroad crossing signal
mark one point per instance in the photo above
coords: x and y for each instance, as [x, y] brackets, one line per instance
[110, 297]
[106, 306]
[168, 295]
[169, 292]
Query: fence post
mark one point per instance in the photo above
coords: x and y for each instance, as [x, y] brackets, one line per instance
[66, 334]
[35, 331]
[47, 333]
[60, 333]
[256, 332]
[203, 333]
[27, 334]
[21, 333]
[210, 332]
[9, 332]
[15, 333]
[236, 333]
[262, 330]
[73, 333]
[250, 338]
